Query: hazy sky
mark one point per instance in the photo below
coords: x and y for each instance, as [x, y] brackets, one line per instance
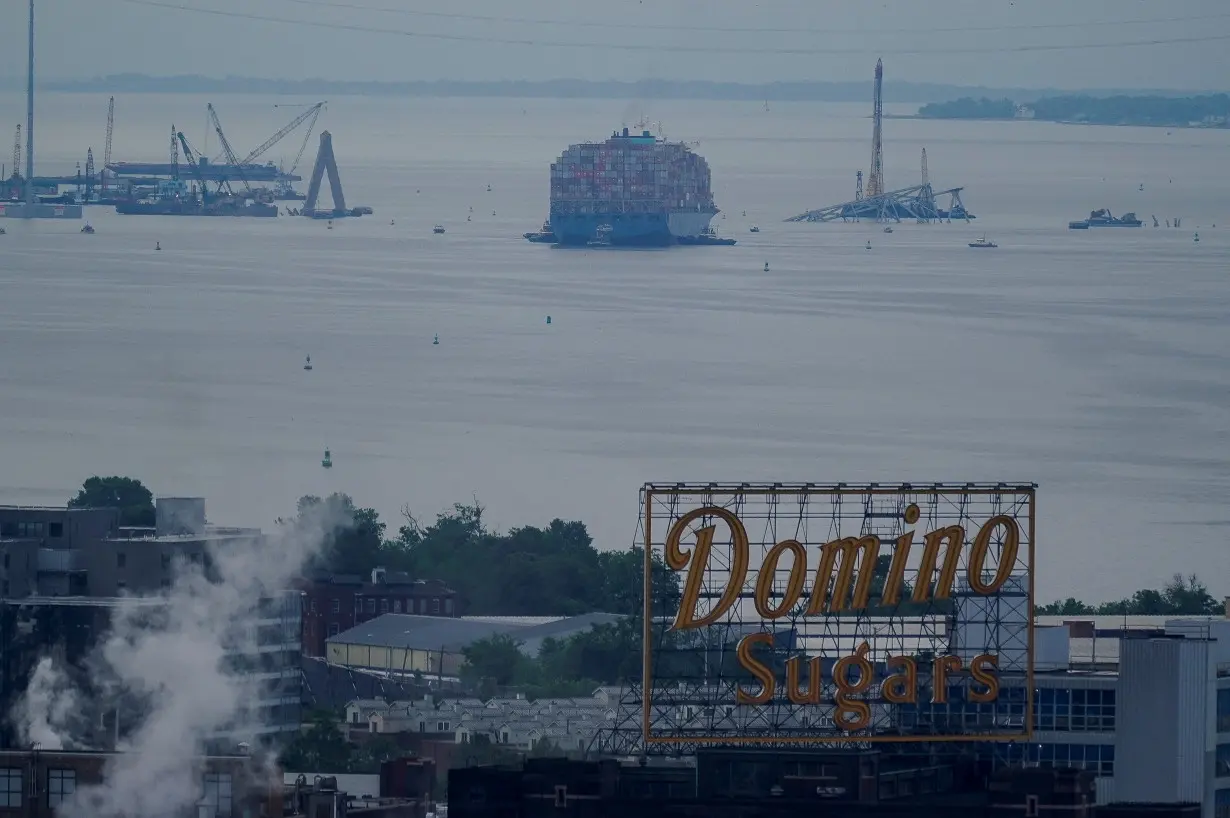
[634, 39]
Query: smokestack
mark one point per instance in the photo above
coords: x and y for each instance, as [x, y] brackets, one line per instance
[29, 210]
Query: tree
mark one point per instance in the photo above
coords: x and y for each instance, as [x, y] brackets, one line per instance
[496, 660]
[320, 748]
[354, 537]
[1182, 596]
[134, 500]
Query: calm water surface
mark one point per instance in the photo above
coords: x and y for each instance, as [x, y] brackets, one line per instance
[1095, 363]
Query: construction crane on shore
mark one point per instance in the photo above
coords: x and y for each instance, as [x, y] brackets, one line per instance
[174, 153]
[107, 147]
[875, 178]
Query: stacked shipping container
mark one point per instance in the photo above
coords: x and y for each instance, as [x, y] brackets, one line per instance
[630, 174]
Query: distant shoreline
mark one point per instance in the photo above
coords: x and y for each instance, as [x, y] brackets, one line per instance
[1208, 111]
[1185, 126]
[793, 91]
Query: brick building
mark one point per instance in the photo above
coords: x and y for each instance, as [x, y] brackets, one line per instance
[336, 603]
[34, 783]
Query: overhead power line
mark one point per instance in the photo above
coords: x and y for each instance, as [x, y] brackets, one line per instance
[689, 27]
[698, 49]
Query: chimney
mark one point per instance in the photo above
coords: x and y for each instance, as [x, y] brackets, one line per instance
[1227, 607]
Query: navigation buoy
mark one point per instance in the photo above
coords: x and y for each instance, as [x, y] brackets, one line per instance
[435, 342]
[492, 212]
[308, 363]
[390, 222]
[548, 319]
[869, 245]
[157, 246]
[327, 461]
[488, 188]
[766, 266]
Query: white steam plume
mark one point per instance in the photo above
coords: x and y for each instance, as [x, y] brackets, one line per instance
[171, 657]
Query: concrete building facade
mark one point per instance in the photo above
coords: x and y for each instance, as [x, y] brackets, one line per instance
[63, 572]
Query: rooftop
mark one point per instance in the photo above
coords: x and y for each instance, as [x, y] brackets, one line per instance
[452, 635]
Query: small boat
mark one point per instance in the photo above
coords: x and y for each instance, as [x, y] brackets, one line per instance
[488, 188]
[438, 229]
[87, 229]
[2, 231]
[982, 242]
[888, 229]
[1081, 224]
[327, 462]
[544, 235]
[308, 363]
[753, 229]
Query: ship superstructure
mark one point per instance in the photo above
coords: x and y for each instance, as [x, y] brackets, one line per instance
[632, 190]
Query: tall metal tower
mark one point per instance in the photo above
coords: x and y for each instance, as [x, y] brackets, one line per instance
[29, 209]
[926, 177]
[875, 179]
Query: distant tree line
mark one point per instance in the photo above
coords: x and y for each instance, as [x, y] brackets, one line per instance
[1182, 596]
[1209, 109]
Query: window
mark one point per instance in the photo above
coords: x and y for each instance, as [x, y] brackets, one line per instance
[55, 530]
[1085, 711]
[442, 727]
[337, 606]
[1222, 763]
[371, 605]
[333, 629]
[61, 784]
[312, 607]
[448, 607]
[217, 793]
[121, 559]
[397, 606]
[10, 787]
[1098, 759]
[1221, 804]
[6, 565]
[384, 606]
[1031, 806]
[435, 606]
[561, 795]
[355, 717]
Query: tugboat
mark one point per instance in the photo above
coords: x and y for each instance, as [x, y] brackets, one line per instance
[753, 229]
[982, 242]
[438, 229]
[543, 235]
[327, 462]
[87, 229]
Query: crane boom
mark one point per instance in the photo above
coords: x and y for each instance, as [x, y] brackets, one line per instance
[226, 148]
[191, 158]
[107, 147]
[311, 113]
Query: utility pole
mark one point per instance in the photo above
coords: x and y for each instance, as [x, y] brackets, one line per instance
[29, 209]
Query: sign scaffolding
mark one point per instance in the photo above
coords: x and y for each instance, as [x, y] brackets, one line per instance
[788, 614]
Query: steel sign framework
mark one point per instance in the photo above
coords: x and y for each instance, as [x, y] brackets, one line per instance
[910, 603]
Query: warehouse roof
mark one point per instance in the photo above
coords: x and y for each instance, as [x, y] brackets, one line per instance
[452, 635]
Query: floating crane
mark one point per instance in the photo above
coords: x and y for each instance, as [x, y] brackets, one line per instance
[283, 188]
[230, 155]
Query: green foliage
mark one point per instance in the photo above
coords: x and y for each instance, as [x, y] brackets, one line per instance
[134, 500]
[354, 542]
[1212, 109]
[970, 108]
[528, 571]
[1182, 596]
[323, 748]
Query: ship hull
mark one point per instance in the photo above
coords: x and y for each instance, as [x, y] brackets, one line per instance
[154, 209]
[660, 229]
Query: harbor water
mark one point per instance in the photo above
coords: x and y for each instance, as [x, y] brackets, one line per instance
[1096, 363]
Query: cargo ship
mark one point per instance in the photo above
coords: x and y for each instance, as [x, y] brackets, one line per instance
[1103, 218]
[637, 190]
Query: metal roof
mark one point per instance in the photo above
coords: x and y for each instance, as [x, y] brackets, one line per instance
[452, 635]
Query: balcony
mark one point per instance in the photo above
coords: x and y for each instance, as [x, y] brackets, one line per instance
[59, 560]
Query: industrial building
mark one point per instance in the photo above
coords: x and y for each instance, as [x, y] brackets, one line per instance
[63, 572]
[433, 646]
[338, 602]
